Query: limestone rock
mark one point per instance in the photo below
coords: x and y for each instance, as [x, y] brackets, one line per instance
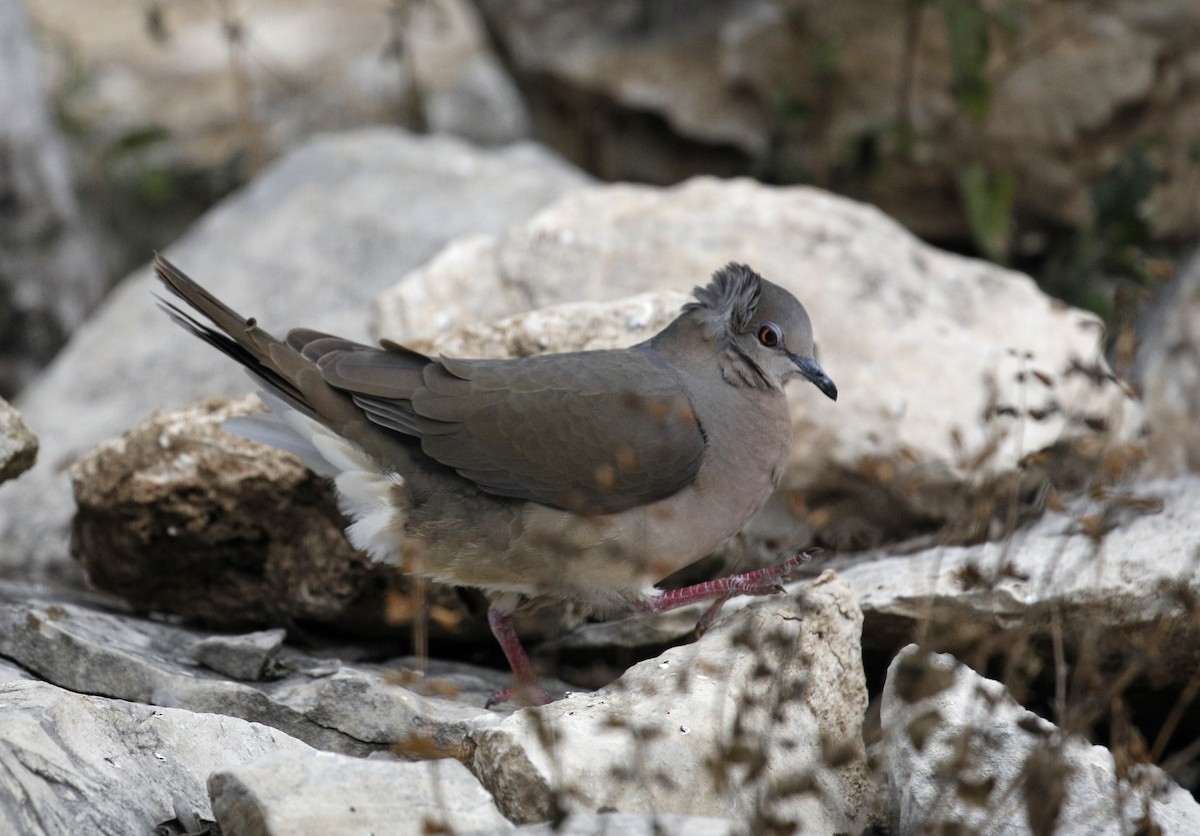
[759, 721]
[1116, 578]
[335, 794]
[961, 754]
[85, 764]
[18, 446]
[962, 385]
[180, 516]
[571, 326]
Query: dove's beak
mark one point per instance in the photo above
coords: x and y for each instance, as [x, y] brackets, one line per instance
[816, 375]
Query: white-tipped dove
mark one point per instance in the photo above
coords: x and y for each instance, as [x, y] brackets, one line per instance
[588, 475]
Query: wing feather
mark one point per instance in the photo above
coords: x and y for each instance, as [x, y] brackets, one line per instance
[597, 432]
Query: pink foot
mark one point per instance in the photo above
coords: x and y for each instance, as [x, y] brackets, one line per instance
[528, 689]
[767, 581]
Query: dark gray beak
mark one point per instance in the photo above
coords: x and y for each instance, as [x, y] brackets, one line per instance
[816, 375]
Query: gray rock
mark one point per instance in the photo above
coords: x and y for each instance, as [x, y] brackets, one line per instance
[310, 241]
[1168, 370]
[1116, 579]
[325, 793]
[960, 754]
[18, 446]
[50, 271]
[85, 764]
[352, 709]
[962, 385]
[247, 657]
[759, 721]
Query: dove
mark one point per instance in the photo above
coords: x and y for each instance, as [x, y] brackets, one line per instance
[582, 476]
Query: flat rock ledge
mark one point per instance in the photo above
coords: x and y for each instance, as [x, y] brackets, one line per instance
[75, 763]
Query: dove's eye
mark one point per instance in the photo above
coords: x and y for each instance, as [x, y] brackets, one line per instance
[770, 335]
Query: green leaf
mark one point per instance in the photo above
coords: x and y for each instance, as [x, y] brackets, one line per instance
[988, 200]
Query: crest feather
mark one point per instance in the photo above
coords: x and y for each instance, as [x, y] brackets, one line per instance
[732, 295]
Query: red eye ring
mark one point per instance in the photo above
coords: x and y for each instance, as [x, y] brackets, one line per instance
[770, 335]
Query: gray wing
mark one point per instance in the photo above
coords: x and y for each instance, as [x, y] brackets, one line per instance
[595, 432]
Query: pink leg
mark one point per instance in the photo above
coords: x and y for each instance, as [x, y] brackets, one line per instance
[759, 582]
[527, 685]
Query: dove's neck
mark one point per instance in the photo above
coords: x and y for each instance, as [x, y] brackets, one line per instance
[696, 342]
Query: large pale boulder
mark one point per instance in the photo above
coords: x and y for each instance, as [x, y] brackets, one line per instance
[759, 721]
[963, 387]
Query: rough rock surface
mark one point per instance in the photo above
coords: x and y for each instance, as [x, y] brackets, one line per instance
[961, 755]
[887, 103]
[336, 794]
[961, 383]
[1168, 370]
[180, 516]
[1116, 580]
[18, 446]
[570, 326]
[759, 721]
[75, 763]
[309, 242]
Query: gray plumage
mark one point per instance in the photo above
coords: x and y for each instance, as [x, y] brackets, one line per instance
[589, 475]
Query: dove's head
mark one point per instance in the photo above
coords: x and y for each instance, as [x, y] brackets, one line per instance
[765, 330]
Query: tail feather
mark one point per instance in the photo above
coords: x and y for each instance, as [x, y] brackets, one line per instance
[282, 369]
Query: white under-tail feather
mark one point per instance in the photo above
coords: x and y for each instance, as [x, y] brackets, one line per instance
[375, 500]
